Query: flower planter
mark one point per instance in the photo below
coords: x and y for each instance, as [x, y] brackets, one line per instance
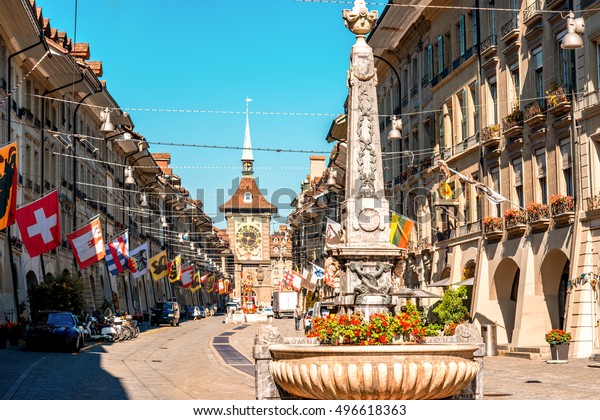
[559, 351]
[563, 219]
[516, 230]
[494, 235]
[560, 109]
[388, 372]
[539, 225]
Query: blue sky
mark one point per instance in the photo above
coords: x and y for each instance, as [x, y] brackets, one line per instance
[288, 56]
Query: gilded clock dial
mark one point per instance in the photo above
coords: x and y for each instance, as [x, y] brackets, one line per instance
[248, 237]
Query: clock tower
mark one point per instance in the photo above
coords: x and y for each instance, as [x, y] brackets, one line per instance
[248, 215]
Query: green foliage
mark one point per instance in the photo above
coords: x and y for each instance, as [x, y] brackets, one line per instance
[452, 308]
[433, 330]
[61, 292]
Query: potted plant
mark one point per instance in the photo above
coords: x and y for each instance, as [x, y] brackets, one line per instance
[559, 344]
[377, 330]
[492, 227]
[562, 208]
[538, 215]
[514, 221]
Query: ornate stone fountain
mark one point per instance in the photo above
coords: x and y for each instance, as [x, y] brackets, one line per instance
[365, 257]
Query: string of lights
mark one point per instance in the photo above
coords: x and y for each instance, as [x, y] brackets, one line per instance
[434, 6]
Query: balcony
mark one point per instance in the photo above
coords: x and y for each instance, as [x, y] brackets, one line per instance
[538, 217]
[492, 228]
[532, 13]
[558, 103]
[534, 113]
[414, 90]
[512, 124]
[490, 135]
[509, 31]
[424, 81]
[515, 222]
[563, 210]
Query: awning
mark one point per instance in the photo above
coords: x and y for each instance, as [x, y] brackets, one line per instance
[442, 283]
[415, 293]
[466, 282]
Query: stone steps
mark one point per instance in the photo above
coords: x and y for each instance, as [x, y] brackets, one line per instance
[529, 353]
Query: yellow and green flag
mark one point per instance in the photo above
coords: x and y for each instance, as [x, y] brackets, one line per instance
[400, 228]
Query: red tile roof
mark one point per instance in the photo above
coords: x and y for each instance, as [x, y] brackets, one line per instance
[259, 202]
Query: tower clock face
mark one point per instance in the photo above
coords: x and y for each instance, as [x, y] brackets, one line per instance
[248, 238]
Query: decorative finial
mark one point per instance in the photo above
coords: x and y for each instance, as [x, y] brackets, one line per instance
[247, 158]
[359, 20]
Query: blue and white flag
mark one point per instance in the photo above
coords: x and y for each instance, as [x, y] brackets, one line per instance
[117, 253]
[318, 272]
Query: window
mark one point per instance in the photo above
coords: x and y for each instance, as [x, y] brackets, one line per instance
[564, 60]
[540, 159]
[493, 104]
[474, 91]
[517, 166]
[462, 101]
[462, 38]
[567, 171]
[275, 240]
[473, 19]
[247, 197]
[491, 15]
[514, 84]
[275, 249]
[538, 69]
[495, 175]
[430, 62]
[440, 53]
[442, 131]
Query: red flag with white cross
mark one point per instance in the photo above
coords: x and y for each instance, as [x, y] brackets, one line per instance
[39, 224]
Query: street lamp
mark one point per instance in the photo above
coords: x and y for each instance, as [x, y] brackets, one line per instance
[396, 131]
[575, 28]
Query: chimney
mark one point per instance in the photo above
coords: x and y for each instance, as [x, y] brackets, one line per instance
[317, 167]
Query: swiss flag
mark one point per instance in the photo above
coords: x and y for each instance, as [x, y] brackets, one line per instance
[39, 224]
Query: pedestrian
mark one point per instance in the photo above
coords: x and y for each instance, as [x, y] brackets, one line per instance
[297, 316]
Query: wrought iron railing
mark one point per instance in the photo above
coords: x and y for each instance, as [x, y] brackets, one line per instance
[531, 10]
[533, 109]
[508, 27]
[490, 132]
[490, 41]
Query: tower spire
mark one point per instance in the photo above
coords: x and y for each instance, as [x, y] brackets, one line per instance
[247, 158]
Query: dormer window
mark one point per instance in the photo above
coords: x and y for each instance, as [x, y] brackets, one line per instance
[247, 197]
[275, 240]
[275, 249]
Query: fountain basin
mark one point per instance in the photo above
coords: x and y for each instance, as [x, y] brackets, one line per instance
[390, 372]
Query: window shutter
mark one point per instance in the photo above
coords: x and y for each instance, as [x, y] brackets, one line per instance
[462, 35]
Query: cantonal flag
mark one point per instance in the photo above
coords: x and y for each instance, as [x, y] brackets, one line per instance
[187, 276]
[400, 228]
[117, 254]
[9, 175]
[174, 269]
[87, 243]
[204, 277]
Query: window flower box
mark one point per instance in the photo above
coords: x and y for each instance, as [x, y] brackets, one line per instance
[538, 216]
[558, 104]
[562, 209]
[492, 227]
[514, 222]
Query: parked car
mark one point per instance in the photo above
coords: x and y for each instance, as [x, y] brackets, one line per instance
[308, 320]
[165, 313]
[268, 312]
[55, 330]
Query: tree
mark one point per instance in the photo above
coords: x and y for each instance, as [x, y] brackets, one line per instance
[61, 292]
[452, 308]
